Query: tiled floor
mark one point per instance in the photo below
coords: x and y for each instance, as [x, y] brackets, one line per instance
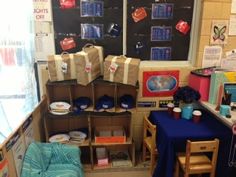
[140, 170]
[136, 173]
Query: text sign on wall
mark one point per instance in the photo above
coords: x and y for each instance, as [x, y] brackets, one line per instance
[42, 10]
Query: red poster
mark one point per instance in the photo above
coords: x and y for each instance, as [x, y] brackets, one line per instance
[160, 83]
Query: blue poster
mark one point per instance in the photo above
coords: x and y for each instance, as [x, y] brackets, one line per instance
[161, 33]
[162, 10]
[91, 31]
[91, 8]
[161, 53]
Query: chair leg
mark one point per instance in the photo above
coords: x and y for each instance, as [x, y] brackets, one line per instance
[186, 174]
[144, 153]
[176, 169]
[212, 174]
[152, 162]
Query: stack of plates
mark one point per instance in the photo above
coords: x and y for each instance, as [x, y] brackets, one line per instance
[59, 138]
[77, 136]
[59, 108]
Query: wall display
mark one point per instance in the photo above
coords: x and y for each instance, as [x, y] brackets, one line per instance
[68, 43]
[228, 64]
[212, 56]
[114, 30]
[183, 27]
[160, 53]
[91, 8]
[139, 14]
[91, 31]
[99, 22]
[162, 10]
[67, 4]
[43, 35]
[160, 83]
[219, 32]
[155, 37]
[161, 33]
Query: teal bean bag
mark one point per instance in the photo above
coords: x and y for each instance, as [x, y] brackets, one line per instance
[52, 160]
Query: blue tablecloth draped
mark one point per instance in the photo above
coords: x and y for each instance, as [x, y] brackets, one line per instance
[172, 135]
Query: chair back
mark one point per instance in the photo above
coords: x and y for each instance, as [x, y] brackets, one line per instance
[211, 146]
[151, 128]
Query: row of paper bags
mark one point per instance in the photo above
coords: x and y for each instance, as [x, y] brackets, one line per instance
[88, 64]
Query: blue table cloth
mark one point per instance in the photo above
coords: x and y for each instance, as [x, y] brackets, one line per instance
[172, 135]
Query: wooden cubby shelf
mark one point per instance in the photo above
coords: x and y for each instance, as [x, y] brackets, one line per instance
[115, 120]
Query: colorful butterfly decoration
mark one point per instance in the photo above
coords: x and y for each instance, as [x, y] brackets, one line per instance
[219, 33]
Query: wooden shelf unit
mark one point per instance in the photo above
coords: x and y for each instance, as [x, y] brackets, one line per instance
[90, 118]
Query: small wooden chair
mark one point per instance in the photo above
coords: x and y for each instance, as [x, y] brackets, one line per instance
[195, 161]
[149, 143]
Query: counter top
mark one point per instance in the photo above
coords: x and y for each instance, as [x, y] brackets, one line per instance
[227, 121]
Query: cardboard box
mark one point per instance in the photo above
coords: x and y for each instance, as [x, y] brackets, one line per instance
[111, 134]
[102, 156]
[88, 64]
[121, 69]
[61, 67]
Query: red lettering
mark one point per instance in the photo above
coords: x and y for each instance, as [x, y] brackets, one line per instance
[38, 17]
[40, 11]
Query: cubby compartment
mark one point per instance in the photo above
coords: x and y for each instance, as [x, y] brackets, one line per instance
[128, 91]
[86, 157]
[118, 156]
[103, 89]
[110, 122]
[79, 91]
[64, 124]
[59, 91]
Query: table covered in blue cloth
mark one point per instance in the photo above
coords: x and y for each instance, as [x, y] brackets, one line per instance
[172, 135]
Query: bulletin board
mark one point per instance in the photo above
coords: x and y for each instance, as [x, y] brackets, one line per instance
[155, 37]
[99, 22]
[156, 29]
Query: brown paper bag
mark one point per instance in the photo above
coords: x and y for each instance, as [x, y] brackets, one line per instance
[121, 69]
[61, 67]
[89, 64]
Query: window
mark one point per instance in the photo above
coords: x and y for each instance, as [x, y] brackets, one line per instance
[18, 94]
